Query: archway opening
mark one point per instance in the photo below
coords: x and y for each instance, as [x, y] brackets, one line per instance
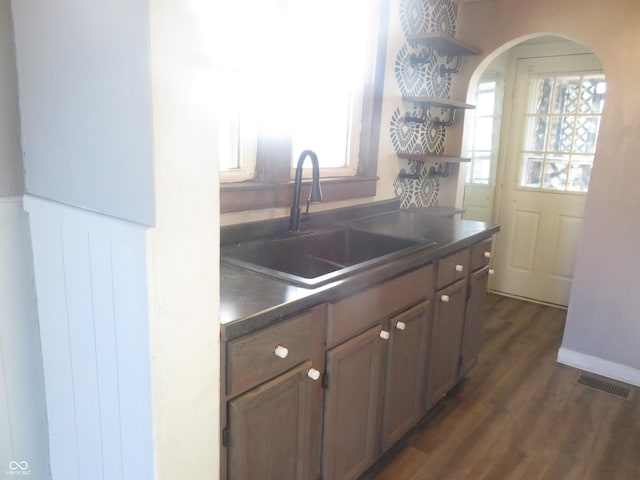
[532, 143]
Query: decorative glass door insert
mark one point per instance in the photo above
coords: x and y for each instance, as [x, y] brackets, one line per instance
[561, 128]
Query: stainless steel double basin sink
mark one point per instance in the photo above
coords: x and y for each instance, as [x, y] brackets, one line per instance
[313, 259]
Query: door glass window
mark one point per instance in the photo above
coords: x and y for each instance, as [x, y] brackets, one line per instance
[561, 129]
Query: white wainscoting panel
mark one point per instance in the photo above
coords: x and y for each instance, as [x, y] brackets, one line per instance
[23, 420]
[91, 283]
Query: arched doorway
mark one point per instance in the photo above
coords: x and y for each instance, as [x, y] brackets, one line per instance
[535, 130]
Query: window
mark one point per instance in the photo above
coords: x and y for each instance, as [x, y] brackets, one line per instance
[561, 129]
[330, 73]
[486, 132]
[236, 134]
[312, 80]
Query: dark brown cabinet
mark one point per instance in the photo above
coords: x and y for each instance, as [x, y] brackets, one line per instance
[380, 373]
[352, 402]
[406, 372]
[458, 317]
[375, 378]
[446, 340]
[272, 428]
[274, 401]
[474, 318]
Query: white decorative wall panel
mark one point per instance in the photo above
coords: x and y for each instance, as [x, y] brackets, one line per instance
[91, 283]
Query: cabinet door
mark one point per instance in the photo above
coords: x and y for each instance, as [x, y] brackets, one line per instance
[446, 339]
[474, 318]
[271, 429]
[352, 402]
[406, 372]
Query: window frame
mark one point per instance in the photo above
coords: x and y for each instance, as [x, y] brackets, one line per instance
[272, 185]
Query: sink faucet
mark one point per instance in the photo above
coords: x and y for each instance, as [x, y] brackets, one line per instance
[315, 195]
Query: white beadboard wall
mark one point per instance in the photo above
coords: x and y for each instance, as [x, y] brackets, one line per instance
[90, 272]
[23, 419]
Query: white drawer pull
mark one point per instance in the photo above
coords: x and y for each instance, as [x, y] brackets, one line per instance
[487, 254]
[313, 374]
[401, 325]
[491, 271]
[444, 298]
[384, 335]
[459, 268]
[281, 351]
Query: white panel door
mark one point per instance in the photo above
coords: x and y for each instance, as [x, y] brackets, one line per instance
[557, 103]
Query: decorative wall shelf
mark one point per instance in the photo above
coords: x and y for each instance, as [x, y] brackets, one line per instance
[454, 50]
[421, 157]
[450, 105]
[443, 43]
[438, 102]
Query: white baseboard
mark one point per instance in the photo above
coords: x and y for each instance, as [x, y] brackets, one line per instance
[599, 366]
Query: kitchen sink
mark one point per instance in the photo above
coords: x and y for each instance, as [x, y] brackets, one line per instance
[316, 258]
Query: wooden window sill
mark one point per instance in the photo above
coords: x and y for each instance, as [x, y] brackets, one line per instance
[252, 195]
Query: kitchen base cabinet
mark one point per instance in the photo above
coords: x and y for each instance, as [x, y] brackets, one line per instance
[273, 432]
[326, 392]
[474, 319]
[446, 339]
[406, 372]
[352, 404]
[273, 416]
[376, 364]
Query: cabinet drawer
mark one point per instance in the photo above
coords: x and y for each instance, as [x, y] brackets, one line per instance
[252, 359]
[480, 254]
[452, 267]
[358, 312]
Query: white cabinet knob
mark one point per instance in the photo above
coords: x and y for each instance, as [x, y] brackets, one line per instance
[313, 374]
[444, 298]
[401, 325]
[384, 335]
[459, 268]
[281, 351]
[487, 254]
[491, 271]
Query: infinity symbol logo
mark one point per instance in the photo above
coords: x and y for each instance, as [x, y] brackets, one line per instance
[13, 465]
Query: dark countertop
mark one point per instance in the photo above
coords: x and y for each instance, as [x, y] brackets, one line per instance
[250, 301]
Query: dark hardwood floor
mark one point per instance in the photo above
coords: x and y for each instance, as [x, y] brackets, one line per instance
[519, 414]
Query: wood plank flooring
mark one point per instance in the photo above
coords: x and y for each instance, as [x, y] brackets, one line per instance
[519, 415]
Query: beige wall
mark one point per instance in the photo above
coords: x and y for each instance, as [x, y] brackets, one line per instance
[602, 326]
[183, 246]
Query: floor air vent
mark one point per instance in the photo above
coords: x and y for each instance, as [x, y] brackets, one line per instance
[611, 388]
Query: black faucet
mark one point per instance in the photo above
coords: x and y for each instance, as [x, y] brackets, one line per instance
[315, 195]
